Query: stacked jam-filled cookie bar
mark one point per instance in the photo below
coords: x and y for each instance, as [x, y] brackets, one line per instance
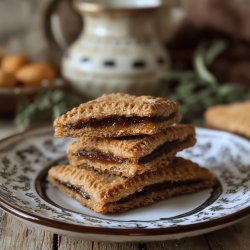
[125, 155]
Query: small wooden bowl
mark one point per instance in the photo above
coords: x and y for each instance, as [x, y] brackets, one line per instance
[11, 97]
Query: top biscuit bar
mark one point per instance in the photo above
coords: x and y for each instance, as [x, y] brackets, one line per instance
[118, 115]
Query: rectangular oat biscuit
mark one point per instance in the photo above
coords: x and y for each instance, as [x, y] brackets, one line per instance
[110, 194]
[118, 115]
[131, 155]
[234, 117]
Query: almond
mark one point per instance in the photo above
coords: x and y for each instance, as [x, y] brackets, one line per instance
[12, 63]
[35, 73]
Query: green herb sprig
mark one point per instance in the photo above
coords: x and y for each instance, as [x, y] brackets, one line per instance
[199, 89]
[46, 106]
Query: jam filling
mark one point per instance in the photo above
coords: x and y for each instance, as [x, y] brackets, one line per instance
[102, 157]
[119, 121]
[156, 188]
[99, 156]
[74, 188]
[146, 190]
[162, 149]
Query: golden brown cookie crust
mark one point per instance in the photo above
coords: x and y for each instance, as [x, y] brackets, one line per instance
[232, 117]
[118, 105]
[138, 202]
[129, 169]
[134, 147]
[104, 189]
[155, 196]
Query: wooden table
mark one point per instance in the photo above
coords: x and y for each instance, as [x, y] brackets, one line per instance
[16, 235]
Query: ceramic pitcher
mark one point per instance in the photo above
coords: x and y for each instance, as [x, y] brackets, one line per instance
[118, 50]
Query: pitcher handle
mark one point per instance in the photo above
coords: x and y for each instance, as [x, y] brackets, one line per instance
[51, 26]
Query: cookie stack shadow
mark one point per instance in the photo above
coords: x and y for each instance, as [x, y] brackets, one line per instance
[125, 154]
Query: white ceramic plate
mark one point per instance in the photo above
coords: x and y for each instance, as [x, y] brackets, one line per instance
[24, 192]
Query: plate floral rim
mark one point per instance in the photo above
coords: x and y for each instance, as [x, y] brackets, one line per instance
[50, 223]
[19, 213]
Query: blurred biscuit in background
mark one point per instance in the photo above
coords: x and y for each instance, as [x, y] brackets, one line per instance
[234, 118]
